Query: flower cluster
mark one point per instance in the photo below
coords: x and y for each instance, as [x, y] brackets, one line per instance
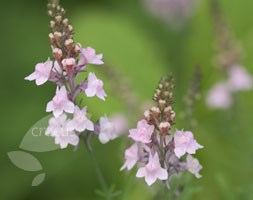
[69, 60]
[220, 96]
[228, 59]
[159, 151]
[173, 12]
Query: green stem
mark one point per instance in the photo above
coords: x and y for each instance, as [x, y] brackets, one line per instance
[97, 169]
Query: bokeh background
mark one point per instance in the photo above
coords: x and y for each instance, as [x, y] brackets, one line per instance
[141, 48]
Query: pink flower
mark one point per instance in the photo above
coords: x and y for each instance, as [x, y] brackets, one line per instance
[142, 133]
[60, 103]
[131, 157]
[42, 72]
[152, 171]
[120, 122]
[185, 143]
[219, 96]
[193, 166]
[239, 79]
[88, 56]
[107, 130]
[80, 122]
[58, 128]
[95, 87]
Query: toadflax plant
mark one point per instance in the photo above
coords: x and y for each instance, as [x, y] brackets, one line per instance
[160, 151]
[69, 61]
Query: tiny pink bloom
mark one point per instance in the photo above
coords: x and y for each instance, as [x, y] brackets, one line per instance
[42, 73]
[55, 124]
[142, 133]
[239, 79]
[219, 96]
[193, 166]
[95, 87]
[107, 130]
[185, 143]
[152, 171]
[88, 56]
[80, 122]
[120, 122]
[60, 103]
[131, 157]
[58, 128]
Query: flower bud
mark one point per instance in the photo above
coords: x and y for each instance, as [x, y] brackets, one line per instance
[58, 18]
[68, 43]
[78, 48]
[50, 13]
[172, 115]
[65, 22]
[147, 115]
[68, 62]
[57, 53]
[57, 35]
[155, 111]
[52, 24]
[161, 104]
[70, 28]
[164, 127]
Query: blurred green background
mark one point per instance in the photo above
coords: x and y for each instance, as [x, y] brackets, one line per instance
[142, 49]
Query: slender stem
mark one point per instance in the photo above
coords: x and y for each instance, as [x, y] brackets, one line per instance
[97, 169]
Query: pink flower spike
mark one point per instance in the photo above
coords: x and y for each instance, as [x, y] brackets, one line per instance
[107, 130]
[185, 143]
[239, 79]
[193, 166]
[95, 87]
[142, 133]
[88, 56]
[58, 128]
[152, 171]
[41, 73]
[60, 103]
[219, 96]
[80, 122]
[131, 157]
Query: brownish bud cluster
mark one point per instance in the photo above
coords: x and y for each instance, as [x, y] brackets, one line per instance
[162, 116]
[61, 38]
[229, 50]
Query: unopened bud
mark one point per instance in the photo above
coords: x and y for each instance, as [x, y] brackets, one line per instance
[68, 62]
[172, 115]
[57, 35]
[168, 109]
[78, 48]
[68, 43]
[161, 104]
[164, 127]
[147, 114]
[52, 24]
[65, 22]
[58, 18]
[70, 28]
[58, 53]
[50, 13]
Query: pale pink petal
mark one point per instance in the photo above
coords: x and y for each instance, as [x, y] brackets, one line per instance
[31, 77]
